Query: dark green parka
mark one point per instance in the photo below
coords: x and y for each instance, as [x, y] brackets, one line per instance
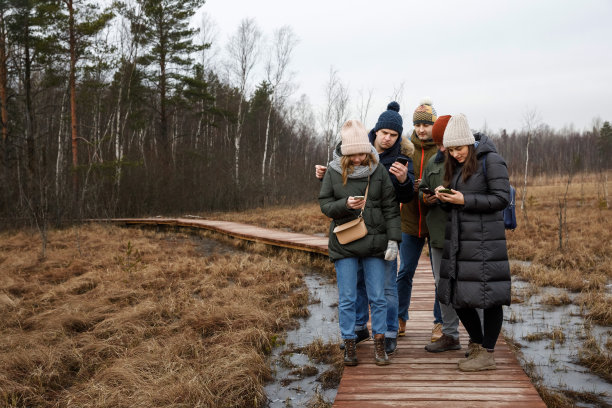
[433, 176]
[381, 213]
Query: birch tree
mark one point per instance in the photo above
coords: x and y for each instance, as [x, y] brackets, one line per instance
[335, 110]
[531, 121]
[276, 75]
[243, 51]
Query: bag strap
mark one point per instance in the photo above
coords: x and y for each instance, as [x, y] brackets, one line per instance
[484, 165]
[365, 197]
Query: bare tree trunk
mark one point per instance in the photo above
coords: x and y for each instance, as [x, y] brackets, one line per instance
[265, 153]
[276, 68]
[59, 161]
[3, 78]
[243, 50]
[73, 111]
[524, 193]
[531, 120]
[364, 105]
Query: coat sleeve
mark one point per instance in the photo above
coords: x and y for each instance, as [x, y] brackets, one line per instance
[330, 206]
[497, 195]
[390, 210]
[425, 184]
[404, 192]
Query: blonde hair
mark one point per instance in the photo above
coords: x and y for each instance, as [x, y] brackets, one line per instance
[348, 168]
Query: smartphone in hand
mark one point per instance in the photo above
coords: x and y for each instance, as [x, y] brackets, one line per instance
[428, 191]
[446, 191]
[358, 197]
[402, 160]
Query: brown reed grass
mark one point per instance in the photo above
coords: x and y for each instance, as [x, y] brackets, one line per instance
[127, 317]
[596, 359]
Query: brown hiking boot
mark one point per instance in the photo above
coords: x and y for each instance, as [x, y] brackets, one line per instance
[436, 332]
[479, 360]
[350, 352]
[444, 343]
[379, 350]
[401, 332]
[472, 347]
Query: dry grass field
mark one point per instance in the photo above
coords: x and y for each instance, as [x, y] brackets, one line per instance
[118, 317]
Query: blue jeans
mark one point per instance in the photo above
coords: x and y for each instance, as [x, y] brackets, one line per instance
[374, 276]
[361, 311]
[410, 251]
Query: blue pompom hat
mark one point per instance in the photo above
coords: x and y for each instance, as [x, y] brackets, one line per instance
[390, 119]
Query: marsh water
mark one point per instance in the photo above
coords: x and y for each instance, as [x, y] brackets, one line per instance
[291, 390]
[532, 323]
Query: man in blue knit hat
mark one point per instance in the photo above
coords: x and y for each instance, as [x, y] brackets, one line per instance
[394, 153]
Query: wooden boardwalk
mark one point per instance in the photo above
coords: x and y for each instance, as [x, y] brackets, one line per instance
[415, 378]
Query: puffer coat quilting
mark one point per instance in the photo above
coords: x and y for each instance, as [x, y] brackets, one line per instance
[381, 213]
[475, 272]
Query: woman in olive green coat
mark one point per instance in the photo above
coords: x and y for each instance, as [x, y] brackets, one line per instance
[346, 180]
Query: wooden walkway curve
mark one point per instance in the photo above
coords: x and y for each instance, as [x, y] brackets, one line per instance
[415, 378]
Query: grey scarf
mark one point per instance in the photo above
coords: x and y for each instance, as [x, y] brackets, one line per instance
[359, 171]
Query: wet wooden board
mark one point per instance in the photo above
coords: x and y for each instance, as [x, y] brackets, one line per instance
[415, 378]
[293, 240]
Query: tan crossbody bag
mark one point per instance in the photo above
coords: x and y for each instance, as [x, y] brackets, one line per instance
[353, 230]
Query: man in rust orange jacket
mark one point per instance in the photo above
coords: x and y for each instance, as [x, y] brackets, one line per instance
[414, 227]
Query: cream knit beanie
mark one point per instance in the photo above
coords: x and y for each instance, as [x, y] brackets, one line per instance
[354, 138]
[458, 132]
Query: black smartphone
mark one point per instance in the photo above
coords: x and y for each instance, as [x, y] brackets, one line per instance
[402, 160]
[428, 191]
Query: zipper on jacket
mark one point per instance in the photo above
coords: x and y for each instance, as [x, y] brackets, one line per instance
[421, 178]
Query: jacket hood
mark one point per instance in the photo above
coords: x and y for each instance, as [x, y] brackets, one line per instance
[484, 144]
[407, 148]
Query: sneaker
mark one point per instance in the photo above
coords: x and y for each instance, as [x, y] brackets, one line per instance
[436, 332]
[401, 332]
[479, 360]
[444, 343]
[390, 345]
[362, 335]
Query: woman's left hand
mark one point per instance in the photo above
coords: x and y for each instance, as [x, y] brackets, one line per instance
[456, 198]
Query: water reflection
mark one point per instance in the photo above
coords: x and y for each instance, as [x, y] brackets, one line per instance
[293, 387]
[557, 334]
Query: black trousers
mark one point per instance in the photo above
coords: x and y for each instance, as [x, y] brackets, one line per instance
[493, 319]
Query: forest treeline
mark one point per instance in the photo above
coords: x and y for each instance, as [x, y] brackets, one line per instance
[119, 111]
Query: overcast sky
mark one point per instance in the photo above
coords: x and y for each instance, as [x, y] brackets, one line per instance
[492, 60]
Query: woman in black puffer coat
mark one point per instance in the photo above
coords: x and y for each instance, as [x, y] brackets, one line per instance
[475, 272]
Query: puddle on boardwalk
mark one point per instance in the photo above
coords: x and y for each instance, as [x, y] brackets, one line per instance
[555, 361]
[321, 324]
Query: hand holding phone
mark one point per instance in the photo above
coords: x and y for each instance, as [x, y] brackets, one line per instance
[428, 191]
[446, 191]
[358, 197]
[402, 160]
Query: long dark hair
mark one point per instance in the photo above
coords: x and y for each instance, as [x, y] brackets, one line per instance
[469, 166]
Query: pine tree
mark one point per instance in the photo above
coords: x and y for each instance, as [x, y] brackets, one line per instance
[162, 28]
